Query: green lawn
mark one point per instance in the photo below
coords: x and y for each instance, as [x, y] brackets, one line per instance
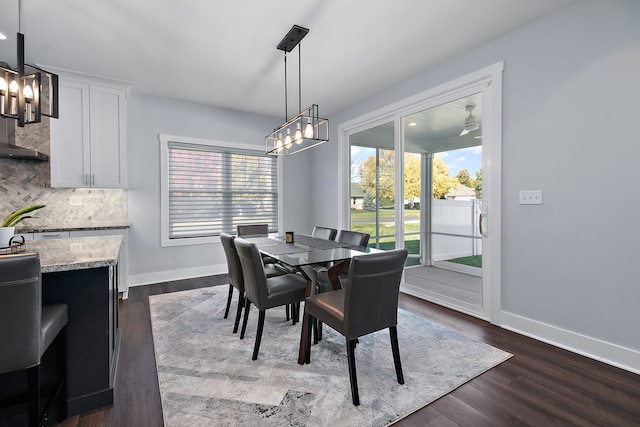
[473, 261]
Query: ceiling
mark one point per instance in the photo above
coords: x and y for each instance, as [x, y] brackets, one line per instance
[433, 130]
[224, 53]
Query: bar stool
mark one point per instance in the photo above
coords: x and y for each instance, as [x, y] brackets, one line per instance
[27, 329]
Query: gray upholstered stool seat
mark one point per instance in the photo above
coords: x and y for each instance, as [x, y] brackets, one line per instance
[28, 330]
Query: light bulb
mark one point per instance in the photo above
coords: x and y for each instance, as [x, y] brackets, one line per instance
[28, 93]
[13, 91]
[287, 139]
[279, 143]
[308, 130]
[13, 88]
[3, 90]
[298, 136]
[28, 97]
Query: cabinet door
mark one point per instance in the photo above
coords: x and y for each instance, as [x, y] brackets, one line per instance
[48, 235]
[70, 155]
[108, 149]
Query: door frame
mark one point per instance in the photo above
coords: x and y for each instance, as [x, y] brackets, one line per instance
[490, 80]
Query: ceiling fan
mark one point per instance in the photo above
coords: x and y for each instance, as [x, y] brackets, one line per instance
[471, 121]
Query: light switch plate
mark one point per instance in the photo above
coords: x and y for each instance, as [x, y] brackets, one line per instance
[530, 197]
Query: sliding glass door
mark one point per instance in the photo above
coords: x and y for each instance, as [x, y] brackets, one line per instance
[422, 174]
[372, 184]
[443, 154]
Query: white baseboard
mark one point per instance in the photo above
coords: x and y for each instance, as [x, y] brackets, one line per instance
[170, 275]
[611, 354]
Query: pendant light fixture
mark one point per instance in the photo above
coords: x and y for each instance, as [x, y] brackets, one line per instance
[471, 122]
[307, 127]
[28, 93]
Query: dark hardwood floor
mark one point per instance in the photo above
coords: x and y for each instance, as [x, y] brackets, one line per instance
[540, 385]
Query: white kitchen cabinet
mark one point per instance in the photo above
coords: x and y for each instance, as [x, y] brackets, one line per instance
[88, 141]
[123, 261]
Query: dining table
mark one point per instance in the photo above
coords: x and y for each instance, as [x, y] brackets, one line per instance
[307, 255]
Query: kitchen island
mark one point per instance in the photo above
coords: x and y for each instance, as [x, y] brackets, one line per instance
[82, 273]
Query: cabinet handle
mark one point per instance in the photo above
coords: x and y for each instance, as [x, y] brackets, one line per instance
[51, 236]
[85, 179]
[93, 179]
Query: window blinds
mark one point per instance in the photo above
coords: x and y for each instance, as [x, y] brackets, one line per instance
[213, 189]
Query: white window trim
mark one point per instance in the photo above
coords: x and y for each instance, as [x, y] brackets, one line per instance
[165, 241]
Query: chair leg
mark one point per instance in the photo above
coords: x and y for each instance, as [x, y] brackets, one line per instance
[319, 330]
[287, 312]
[310, 321]
[393, 333]
[351, 356]
[247, 306]
[256, 346]
[226, 310]
[33, 379]
[315, 330]
[295, 313]
[241, 304]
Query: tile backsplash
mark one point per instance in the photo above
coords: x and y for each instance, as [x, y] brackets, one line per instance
[24, 182]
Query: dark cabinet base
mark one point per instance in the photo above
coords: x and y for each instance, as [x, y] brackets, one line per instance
[93, 338]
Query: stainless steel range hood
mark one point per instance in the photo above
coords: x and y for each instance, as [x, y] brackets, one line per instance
[8, 147]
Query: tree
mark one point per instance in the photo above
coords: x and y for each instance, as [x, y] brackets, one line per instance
[380, 175]
[464, 178]
[442, 182]
[478, 184]
[368, 202]
[411, 177]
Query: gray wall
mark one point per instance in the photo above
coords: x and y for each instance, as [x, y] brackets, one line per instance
[570, 99]
[150, 116]
[570, 107]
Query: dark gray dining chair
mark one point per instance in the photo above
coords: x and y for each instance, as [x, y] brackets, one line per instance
[368, 303]
[28, 329]
[353, 238]
[253, 230]
[256, 230]
[236, 279]
[324, 233]
[265, 292]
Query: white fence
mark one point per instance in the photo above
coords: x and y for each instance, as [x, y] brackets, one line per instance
[458, 217]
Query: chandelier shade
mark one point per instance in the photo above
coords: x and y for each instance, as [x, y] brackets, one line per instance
[307, 129]
[310, 130]
[27, 93]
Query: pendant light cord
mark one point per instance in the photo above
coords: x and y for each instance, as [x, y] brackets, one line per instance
[286, 96]
[299, 78]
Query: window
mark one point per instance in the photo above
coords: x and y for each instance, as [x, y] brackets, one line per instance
[209, 188]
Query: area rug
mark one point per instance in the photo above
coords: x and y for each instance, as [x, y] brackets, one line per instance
[207, 377]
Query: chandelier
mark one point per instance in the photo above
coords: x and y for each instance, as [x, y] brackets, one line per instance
[307, 129]
[28, 93]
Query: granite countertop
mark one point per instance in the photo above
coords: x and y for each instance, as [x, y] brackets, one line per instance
[76, 253]
[27, 229]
